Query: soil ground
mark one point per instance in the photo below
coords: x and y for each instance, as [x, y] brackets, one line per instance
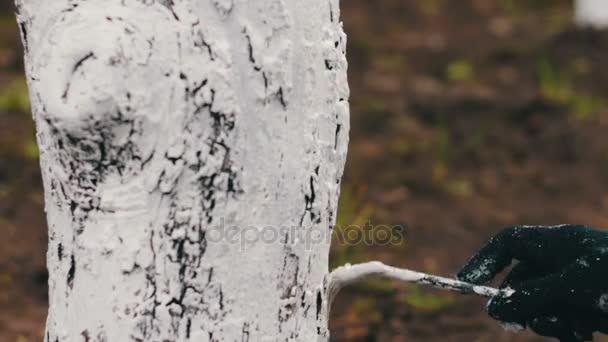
[467, 116]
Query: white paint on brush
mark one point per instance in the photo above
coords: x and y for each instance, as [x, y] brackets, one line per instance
[350, 274]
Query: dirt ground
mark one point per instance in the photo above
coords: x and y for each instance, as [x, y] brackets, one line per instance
[467, 116]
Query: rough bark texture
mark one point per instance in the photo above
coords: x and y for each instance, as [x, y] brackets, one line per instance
[163, 125]
[592, 13]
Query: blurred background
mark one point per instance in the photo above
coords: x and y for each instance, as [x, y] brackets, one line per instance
[467, 116]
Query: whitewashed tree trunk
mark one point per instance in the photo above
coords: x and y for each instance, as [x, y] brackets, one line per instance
[164, 128]
[592, 13]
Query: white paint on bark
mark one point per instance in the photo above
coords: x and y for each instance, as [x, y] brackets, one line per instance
[592, 13]
[161, 124]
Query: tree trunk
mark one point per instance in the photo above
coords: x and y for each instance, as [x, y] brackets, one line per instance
[192, 152]
[592, 13]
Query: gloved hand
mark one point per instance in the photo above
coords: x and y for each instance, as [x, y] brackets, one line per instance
[560, 285]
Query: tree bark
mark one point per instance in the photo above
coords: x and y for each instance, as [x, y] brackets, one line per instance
[592, 13]
[192, 152]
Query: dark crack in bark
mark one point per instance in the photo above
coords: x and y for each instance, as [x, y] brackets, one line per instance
[309, 199]
[77, 66]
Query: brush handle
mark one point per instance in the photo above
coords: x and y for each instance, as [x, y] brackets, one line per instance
[455, 285]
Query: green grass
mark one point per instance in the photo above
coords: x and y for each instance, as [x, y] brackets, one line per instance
[444, 151]
[519, 7]
[391, 62]
[400, 147]
[14, 97]
[372, 105]
[460, 70]
[354, 212]
[9, 31]
[558, 88]
[431, 8]
[425, 300]
[508, 6]
[366, 308]
[30, 149]
[459, 188]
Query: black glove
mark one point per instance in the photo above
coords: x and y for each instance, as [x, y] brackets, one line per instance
[560, 285]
